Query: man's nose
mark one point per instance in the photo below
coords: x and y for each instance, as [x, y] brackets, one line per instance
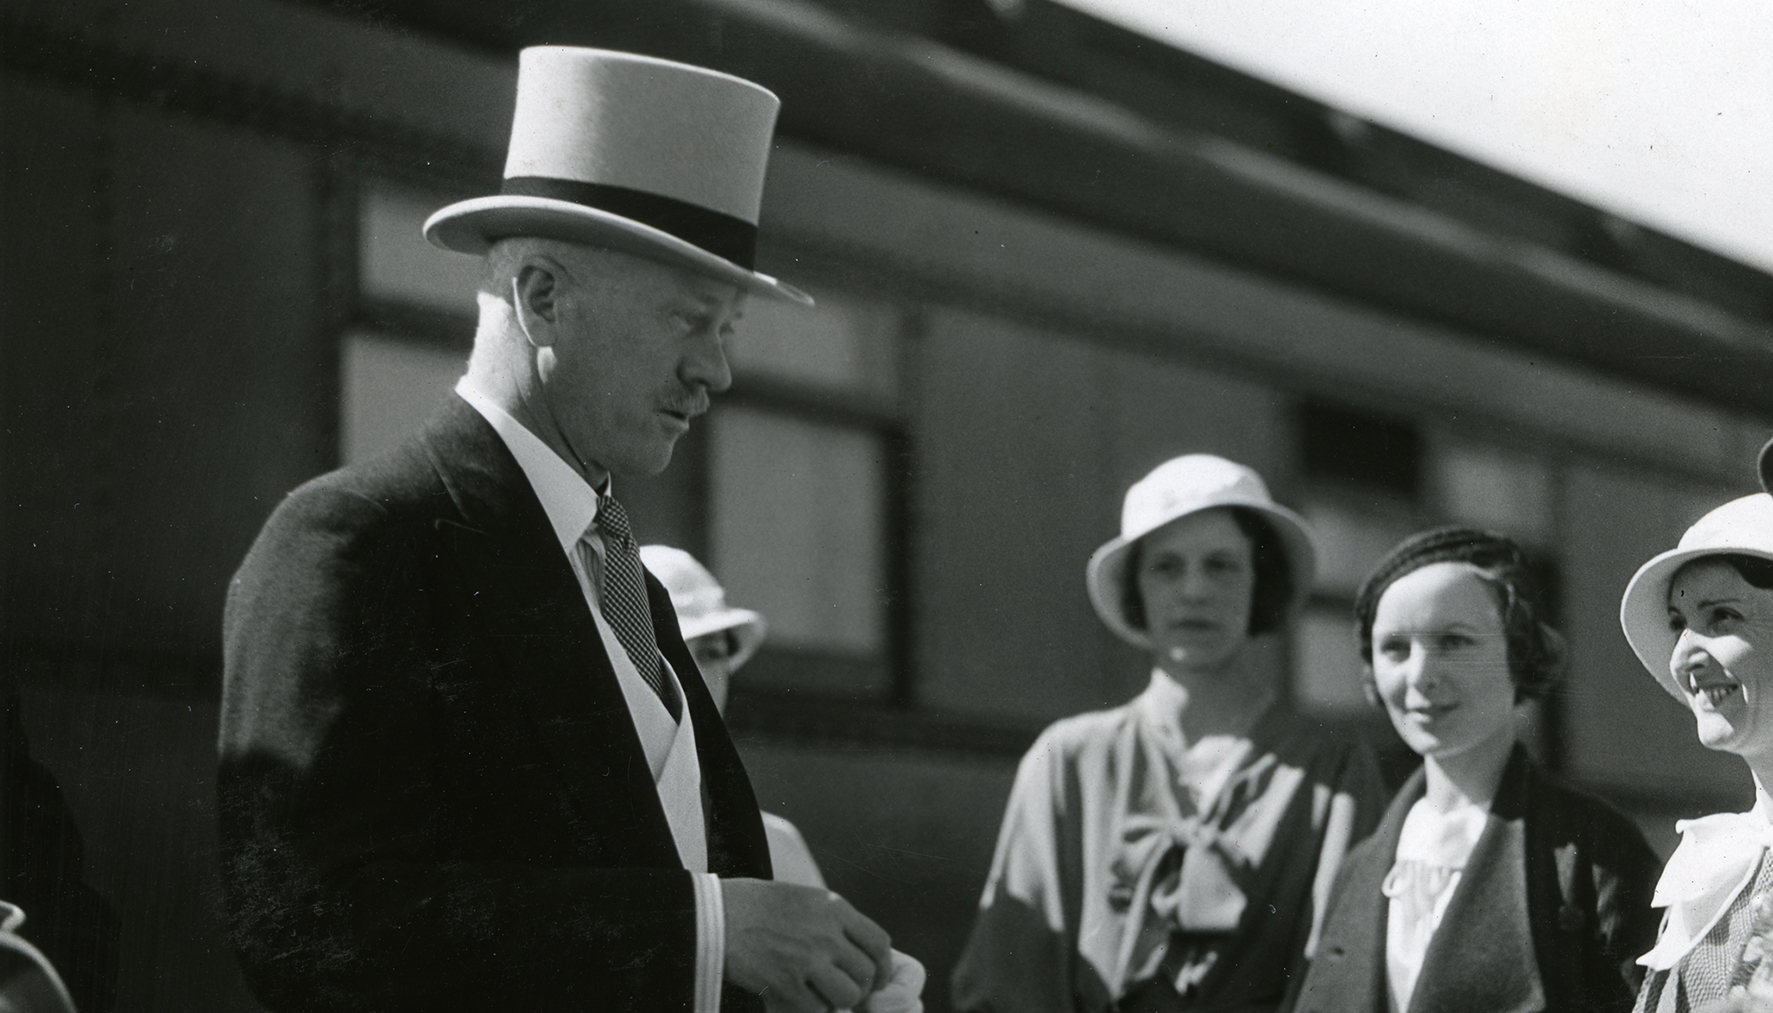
[705, 362]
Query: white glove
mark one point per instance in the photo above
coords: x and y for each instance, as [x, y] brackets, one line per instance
[903, 992]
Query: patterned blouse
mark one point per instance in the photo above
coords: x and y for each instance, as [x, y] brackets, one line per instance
[1704, 975]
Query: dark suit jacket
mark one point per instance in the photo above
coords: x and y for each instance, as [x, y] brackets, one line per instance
[1552, 909]
[431, 793]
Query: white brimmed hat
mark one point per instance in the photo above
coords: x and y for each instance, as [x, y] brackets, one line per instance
[700, 601]
[1179, 487]
[636, 154]
[1740, 527]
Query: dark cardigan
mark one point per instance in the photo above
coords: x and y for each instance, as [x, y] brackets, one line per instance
[1551, 912]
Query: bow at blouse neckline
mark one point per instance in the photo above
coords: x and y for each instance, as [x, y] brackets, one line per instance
[1187, 880]
[1187, 872]
[1717, 859]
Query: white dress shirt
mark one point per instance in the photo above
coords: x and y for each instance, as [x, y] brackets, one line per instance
[571, 506]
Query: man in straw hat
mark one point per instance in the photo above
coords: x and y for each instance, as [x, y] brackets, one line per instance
[466, 759]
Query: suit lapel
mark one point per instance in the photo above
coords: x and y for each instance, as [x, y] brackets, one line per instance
[1482, 956]
[518, 580]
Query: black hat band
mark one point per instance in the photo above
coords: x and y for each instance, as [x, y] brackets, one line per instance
[720, 234]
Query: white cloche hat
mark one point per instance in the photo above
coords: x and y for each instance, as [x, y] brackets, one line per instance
[700, 601]
[632, 153]
[1742, 527]
[1173, 490]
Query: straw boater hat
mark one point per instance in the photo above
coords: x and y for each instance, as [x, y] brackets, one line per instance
[1179, 487]
[1739, 527]
[700, 601]
[645, 156]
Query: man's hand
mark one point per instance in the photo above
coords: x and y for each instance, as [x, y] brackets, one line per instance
[803, 949]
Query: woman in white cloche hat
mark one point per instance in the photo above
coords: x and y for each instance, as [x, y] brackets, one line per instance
[721, 639]
[1700, 618]
[1176, 852]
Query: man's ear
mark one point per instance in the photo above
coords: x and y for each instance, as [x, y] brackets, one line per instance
[535, 294]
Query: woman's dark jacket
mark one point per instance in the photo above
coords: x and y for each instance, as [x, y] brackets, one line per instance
[1550, 914]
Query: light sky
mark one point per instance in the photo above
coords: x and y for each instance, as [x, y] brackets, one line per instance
[1658, 110]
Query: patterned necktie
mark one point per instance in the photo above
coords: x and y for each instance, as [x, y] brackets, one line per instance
[624, 601]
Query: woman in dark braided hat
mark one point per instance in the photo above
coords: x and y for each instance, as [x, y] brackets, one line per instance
[1488, 886]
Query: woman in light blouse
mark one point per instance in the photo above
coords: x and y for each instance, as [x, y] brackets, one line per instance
[1174, 852]
[721, 639]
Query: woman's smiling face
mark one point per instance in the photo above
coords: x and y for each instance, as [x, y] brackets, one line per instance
[1723, 659]
[1440, 660]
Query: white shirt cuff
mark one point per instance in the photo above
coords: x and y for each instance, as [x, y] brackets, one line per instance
[710, 941]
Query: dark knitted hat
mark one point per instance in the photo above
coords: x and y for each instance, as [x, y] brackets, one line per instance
[1535, 650]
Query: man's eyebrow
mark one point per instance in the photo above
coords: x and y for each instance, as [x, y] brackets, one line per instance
[706, 301]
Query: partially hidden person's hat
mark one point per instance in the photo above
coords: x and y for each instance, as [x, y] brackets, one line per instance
[1740, 527]
[1766, 466]
[700, 601]
[1173, 490]
[632, 153]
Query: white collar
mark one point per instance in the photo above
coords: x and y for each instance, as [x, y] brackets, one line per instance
[1205, 766]
[1162, 705]
[567, 499]
[1717, 859]
[1446, 839]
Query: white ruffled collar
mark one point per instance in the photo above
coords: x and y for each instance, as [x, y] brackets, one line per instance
[1717, 859]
